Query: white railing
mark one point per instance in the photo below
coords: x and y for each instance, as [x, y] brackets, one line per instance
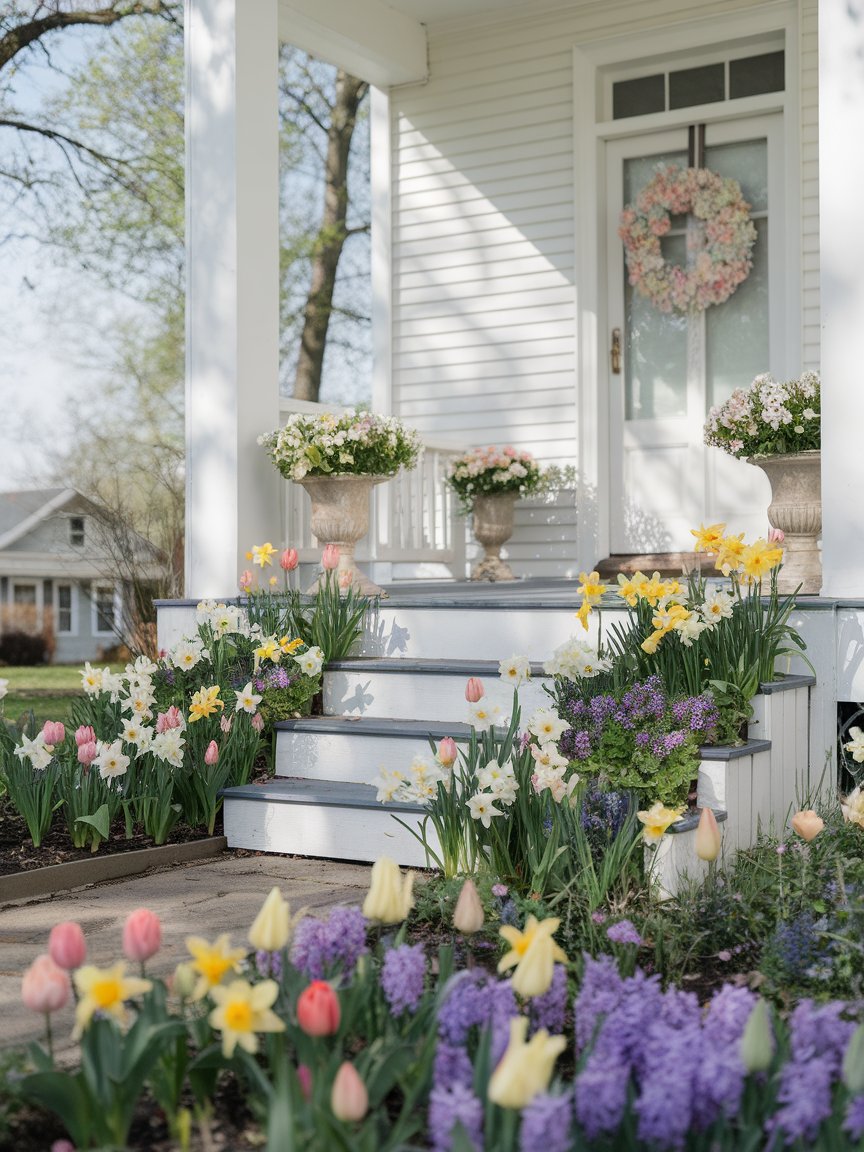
[412, 518]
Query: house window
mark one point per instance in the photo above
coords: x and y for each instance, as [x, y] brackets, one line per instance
[65, 605]
[26, 614]
[24, 595]
[104, 614]
[76, 531]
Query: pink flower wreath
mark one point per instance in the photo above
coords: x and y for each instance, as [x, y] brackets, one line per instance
[714, 271]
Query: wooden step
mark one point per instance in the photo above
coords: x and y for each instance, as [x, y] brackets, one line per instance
[326, 818]
[674, 863]
[422, 689]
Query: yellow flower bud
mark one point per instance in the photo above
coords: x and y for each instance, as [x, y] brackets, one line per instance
[389, 898]
[468, 913]
[525, 1069]
[757, 1043]
[271, 928]
[853, 1063]
[707, 836]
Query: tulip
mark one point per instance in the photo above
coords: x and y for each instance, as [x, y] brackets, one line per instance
[87, 753]
[246, 579]
[468, 913]
[62, 1146]
[289, 560]
[447, 752]
[304, 1078]
[211, 756]
[271, 928]
[318, 1012]
[85, 735]
[171, 718]
[707, 836]
[67, 946]
[142, 935]
[776, 536]
[474, 690]
[45, 986]
[389, 898]
[853, 1063]
[525, 1069]
[807, 824]
[257, 722]
[53, 732]
[330, 557]
[757, 1042]
[184, 980]
[225, 723]
[349, 1099]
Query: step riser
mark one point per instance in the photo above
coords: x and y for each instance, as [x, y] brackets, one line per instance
[674, 862]
[418, 696]
[349, 757]
[323, 831]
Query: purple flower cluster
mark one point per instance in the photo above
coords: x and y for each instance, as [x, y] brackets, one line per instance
[403, 975]
[452, 1106]
[603, 813]
[321, 946]
[624, 932]
[546, 1125]
[275, 677]
[550, 1010]
[699, 713]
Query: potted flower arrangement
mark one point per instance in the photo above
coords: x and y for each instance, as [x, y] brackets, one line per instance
[338, 457]
[487, 481]
[777, 426]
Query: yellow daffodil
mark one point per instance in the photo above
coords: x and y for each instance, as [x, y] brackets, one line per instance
[525, 1069]
[262, 554]
[670, 617]
[630, 590]
[652, 590]
[651, 643]
[104, 990]
[656, 820]
[204, 703]
[728, 558]
[583, 614]
[759, 558]
[288, 646]
[591, 587]
[212, 962]
[268, 649]
[533, 953]
[708, 539]
[241, 1011]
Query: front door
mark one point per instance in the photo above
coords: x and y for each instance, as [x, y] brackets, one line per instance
[674, 366]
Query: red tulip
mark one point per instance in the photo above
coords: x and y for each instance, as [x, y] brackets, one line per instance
[45, 986]
[330, 557]
[289, 560]
[318, 1012]
[67, 946]
[349, 1098]
[142, 935]
[474, 690]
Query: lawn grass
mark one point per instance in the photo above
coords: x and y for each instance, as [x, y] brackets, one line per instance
[46, 689]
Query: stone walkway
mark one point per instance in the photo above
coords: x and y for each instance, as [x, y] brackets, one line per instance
[205, 898]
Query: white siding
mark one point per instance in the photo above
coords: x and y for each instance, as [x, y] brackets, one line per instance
[811, 315]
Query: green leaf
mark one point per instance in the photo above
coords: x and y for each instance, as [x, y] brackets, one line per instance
[100, 820]
[67, 1097]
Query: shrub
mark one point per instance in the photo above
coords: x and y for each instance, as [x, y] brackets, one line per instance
[22, 650]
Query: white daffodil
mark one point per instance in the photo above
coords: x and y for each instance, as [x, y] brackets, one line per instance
[91, 680]
[484, 714]
[311, 662]
[35, 751]
[547, 725]
[718, 605]
[187, 654]
[110, 760]
[516, 670]
[247, 701]
[482, 808]
[168, 746]
[856, 745]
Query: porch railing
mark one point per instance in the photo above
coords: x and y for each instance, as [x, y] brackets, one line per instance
[413, 518]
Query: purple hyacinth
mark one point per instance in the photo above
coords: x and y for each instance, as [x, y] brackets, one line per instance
[546, 1124]
[720, 1073]
[465, 1006]
[268, 964]
[600, 1095]
[665, 1099]
[452, 1066]
[549, 1010]
[854, 1122]
[624, 932]
[320, 946]
[502, 1009]
[449, 1107]
[403, 975]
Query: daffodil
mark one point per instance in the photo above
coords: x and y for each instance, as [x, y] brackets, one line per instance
[630, 590]
[853, 807]
[665, 619]
[288, 646]
[650, 643]
[525, 1069]
[262, 554]
[533, 953]
[212, 962]
[204, 703]
[241, 1011]
[856, 745]
[656, 820]
[591, 589]
[728, 558]
[104, 990]
[652, 590]
[759, 558]
[708, 539]
[247, 700]
[268, 649]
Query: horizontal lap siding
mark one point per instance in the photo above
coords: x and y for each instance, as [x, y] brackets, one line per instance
[811, 351]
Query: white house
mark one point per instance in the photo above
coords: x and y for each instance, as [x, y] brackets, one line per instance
[56, 577]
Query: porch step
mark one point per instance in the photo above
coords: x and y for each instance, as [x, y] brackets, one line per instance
[674, 861]
[421, 689]
[352, 749]
[326, 818]
[738, 779]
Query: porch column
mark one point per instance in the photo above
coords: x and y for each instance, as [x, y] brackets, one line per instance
[232, 301]
[841, 242]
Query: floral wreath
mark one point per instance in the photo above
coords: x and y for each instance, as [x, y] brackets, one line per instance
[714, 268]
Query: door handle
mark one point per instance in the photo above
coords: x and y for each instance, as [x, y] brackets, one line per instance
[615, 351]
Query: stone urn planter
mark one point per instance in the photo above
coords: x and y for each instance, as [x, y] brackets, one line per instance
[340, 516]
[492, 517]
[796, 509]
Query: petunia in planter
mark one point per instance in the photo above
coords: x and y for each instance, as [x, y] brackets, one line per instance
[338, 457]
[777, 426]
[488, 481]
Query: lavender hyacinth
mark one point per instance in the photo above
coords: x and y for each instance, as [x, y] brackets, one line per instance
[452, 1066]
[320, 946]
[546, 1124]
[854, 1122]
[624, 932]
[449, 1107]
[465, 1006]
[600, 1095]
[403, 975]
[549, 1010]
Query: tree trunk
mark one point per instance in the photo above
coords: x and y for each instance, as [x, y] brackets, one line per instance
[330, 239]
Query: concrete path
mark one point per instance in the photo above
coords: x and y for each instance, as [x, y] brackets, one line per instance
[205, 898]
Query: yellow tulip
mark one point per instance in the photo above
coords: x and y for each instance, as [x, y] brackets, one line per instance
[271, 928]
[707, 836]
[525, 1069]
[468, 913]
[807, 824]
[757, 1042]
[389, 898]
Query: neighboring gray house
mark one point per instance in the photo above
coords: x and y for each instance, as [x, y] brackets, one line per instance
[57, 577]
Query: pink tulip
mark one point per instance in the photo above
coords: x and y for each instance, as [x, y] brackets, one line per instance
[53, 732]
[776, 536]
[87, 753]
[807, 824]
[304, 1075]
[258, 722]
[225, 723]
[211, 756]
[62, 1146]
[707, 836]
[349, 1099]
[345, 579]
[330, 557]
[142, 935]
[289, 560]
[45, 986]
[474, 690]
[246, 579]
[85, 735]
[318, 1011]
[67, 946]
[447, 752]
[173, 718]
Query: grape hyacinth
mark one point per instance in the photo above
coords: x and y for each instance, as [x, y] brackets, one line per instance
[403, 975]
